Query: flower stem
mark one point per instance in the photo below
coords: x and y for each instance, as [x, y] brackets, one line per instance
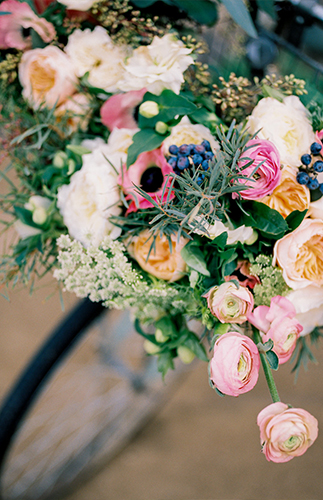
[267, 371]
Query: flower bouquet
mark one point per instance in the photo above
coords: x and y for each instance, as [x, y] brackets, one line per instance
[144, 186]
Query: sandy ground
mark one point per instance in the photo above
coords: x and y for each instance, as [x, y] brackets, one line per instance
[198, 446]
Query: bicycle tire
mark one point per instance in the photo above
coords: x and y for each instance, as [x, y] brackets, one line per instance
[115, 411]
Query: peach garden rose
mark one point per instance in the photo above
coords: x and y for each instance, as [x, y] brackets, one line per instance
[285, 432]
[235, 364]
[164, 261]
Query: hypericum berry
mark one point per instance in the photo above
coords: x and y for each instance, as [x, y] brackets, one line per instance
[183, 162]
[313, 184]
[306, 159]
[205, 164]
[207, 145]
[173, 149]
[209, 155]
[318, 166]
[302, 178]
[315, 148]
[197, 159]
[199, 149]
[184, 150]
[172, 161]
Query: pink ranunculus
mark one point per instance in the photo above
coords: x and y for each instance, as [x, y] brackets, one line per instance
[229, 303]
[21, 17]
[118, 110]
[279, 324]
[285, 432]
[267, 177]
[150, 172]
[234, 366]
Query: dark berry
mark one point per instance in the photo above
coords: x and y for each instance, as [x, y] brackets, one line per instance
[173, 149]
[306, 159]
[318, 166]
[205, 164]
[321, 188]
[199, 149]
[209, 155]
[200, 179]
[313, 184]
[172, 161]
[302, 178]
[207, 145]
[315, 148]
[197, 159]
[184, 150]
[183, 162]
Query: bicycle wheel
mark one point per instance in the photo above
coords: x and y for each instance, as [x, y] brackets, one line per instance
[98, 398]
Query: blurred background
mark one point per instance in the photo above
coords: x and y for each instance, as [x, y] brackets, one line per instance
[191, 443]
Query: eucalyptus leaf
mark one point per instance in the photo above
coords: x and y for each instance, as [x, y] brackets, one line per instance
[272, 359]
[240, 14]
[194, 258]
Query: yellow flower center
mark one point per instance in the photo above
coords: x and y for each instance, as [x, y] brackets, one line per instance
[42, 77]
[309, 260]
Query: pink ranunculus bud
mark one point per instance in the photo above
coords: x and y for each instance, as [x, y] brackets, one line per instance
[118, 110]
[279, 324]
[264, 179]
[229, 303]
[21, 17]
[235, 364]
[285, 432]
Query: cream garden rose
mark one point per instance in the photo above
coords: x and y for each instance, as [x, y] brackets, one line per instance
[286, 124]
[94, 52]
[47, 77]
[163, 262]
[300, 255]
[77, 4]
[91, 198]
[308, 303]
[187, 133]
[157, 66]
[289, 195]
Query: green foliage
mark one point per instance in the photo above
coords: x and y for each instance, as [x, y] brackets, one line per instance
[316, 110]
[302, 354]
[240, 14]
[271, 278]
[265, 219]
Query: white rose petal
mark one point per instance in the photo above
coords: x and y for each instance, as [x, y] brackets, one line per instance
[308, 303]
[94, 52]
[286, 124]
[157, 66]
[78, 4]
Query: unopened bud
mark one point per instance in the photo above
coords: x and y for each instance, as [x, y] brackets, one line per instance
[60, 159]
[160, 337]
[71, 166]
[149, 109]
[253, 238]
[161, 128]
[185, 354]
[39, 216]
[150, 347]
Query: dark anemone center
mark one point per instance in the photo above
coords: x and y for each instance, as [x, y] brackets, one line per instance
[152, 179]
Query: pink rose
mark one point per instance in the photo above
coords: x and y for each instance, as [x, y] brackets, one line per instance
[235, 364]
[285, 432]
[118, 110]
[150, 172]
[267, 177]
[21, 17]
[229, 303]
[279, 324]
[46, 76]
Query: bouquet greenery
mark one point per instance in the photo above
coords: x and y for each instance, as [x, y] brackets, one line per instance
[144, 186]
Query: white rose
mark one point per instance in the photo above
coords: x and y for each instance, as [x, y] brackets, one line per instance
[286, 124]
[157, 66]
[47, 77]
[92, 197]
[241, 233]
[308, 303]
[120, 139]
[94, 52]
[76, 111]
[78, 4]
[187, 133]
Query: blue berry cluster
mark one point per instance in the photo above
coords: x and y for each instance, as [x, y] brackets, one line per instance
[307, 174]
[188, 156]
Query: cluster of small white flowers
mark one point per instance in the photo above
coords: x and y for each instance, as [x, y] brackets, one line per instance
[105, 274]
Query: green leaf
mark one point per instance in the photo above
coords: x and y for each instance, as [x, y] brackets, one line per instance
[267, 6]
[165, 362]
[193, 343]
[221, 240]
[271, 92]
[3, 13]
[25, 216]
[240, 14]
[144, 140]
[166, 325]
[170, 105]
[272, 359]
[203, 11]
[265, 219]
[78, 150]
[295, 218]
[194, 258]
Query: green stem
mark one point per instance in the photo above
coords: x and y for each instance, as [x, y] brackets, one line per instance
[267, 371]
